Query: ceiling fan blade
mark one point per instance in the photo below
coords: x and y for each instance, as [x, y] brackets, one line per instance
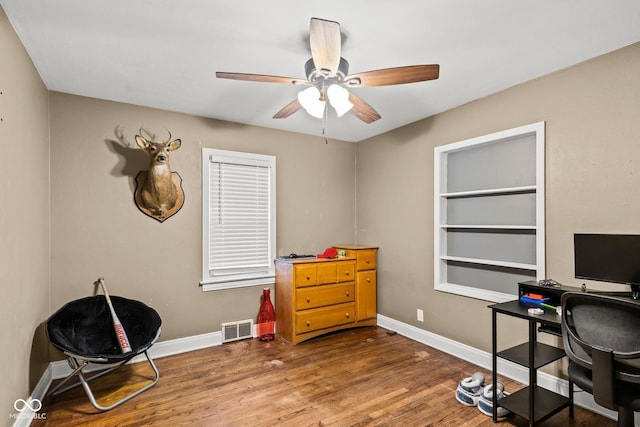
[324, 38]
[394, 76]
[362, 110]
[259, 78]
[288, 110]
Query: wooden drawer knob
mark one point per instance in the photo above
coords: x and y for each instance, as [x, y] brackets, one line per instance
[347, 315]
[308, 323]
[308, 278]
[308, 299]
[346, 273]
[368, 261]
[368, 280]
[347, 293]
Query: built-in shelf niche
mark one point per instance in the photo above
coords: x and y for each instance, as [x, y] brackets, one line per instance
[489, 213]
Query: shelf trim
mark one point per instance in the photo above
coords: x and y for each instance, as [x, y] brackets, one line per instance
[491, 226]
[490, 191]
[508, 264]
[478, 293]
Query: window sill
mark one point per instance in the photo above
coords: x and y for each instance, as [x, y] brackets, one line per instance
[217, 286]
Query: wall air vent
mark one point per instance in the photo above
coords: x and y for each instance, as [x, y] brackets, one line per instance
[239, 330]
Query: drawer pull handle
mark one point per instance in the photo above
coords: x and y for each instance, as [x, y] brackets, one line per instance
[308, 323]
[368, 280]
[368, 261]
[308, 299]
[346, 273]
[347, 315]
[347, 293]
[308, 278]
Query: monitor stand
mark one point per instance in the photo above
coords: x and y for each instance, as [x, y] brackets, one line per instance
[635, 290]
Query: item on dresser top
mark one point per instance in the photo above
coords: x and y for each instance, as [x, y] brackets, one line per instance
[296, 256]
[330, 253]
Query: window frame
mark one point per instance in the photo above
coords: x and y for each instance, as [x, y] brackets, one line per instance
[208, 282]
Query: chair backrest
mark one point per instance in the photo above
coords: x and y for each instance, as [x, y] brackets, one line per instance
[84, 327]
[602, 333]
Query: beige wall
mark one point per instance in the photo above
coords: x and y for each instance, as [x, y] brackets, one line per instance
[97, 230]
[592, 185]
[24, 221]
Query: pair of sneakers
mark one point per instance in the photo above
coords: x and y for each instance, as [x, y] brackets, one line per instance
[472, 391]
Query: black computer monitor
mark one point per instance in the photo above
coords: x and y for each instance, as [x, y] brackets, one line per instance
[611, 258]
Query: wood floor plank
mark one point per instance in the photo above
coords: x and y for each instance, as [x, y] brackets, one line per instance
[359, 377]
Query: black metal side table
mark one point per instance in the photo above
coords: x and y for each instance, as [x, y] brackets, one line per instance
[534, 403]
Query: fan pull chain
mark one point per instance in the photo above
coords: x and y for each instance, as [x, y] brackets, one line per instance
[325, 119]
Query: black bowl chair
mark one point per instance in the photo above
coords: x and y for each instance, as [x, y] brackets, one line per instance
[601, 336]
[84, 332]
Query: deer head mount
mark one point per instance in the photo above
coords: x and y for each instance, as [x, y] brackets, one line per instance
[159, 191]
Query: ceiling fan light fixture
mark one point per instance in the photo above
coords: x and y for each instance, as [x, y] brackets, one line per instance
[339, 99]
[310, 101]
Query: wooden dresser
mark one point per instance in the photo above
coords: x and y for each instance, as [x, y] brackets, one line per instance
[317, 296]
[366, 279]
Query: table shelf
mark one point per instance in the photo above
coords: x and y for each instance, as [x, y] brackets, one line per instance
[532, 403]
[548, 403]
[543, 354]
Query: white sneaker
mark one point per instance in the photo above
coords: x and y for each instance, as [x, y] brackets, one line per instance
[485, 403]
[469, 389]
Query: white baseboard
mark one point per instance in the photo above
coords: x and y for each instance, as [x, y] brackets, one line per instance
[61, 369]
[483, 359]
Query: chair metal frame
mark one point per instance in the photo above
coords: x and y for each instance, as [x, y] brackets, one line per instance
[78, 365]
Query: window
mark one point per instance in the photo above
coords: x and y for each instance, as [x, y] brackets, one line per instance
[238, 219]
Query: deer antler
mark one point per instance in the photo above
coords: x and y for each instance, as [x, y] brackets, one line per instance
[151, 136]
[168, 140]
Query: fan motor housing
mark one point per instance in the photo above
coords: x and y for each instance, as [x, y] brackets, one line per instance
[320, 77]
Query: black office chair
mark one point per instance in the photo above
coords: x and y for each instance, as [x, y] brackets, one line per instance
[601, 336]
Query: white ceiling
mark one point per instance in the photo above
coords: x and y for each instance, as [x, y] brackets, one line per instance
[164, 53]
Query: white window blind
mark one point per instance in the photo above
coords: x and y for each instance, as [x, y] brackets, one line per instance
[238, 219]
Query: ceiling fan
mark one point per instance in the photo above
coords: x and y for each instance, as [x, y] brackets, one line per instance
[328, 78]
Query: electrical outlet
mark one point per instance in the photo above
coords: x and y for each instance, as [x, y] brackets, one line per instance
[420, 315]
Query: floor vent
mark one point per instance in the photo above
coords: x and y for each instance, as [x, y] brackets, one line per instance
[234, 331]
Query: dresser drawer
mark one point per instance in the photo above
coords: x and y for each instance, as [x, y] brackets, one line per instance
[318, 296]
[346, 271]
[327, 273]
[367, 277]
[324, 317]
[305, 275]
[366, 259]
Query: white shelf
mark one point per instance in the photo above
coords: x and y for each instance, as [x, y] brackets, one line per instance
[490, 227]
[508, 264]
[477, 293]
[491, 191]
[497, 218]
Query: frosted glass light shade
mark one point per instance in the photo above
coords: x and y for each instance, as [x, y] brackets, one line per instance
[339, 99]
[310, 101]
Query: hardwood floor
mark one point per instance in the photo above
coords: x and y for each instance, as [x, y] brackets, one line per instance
[359, 377]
